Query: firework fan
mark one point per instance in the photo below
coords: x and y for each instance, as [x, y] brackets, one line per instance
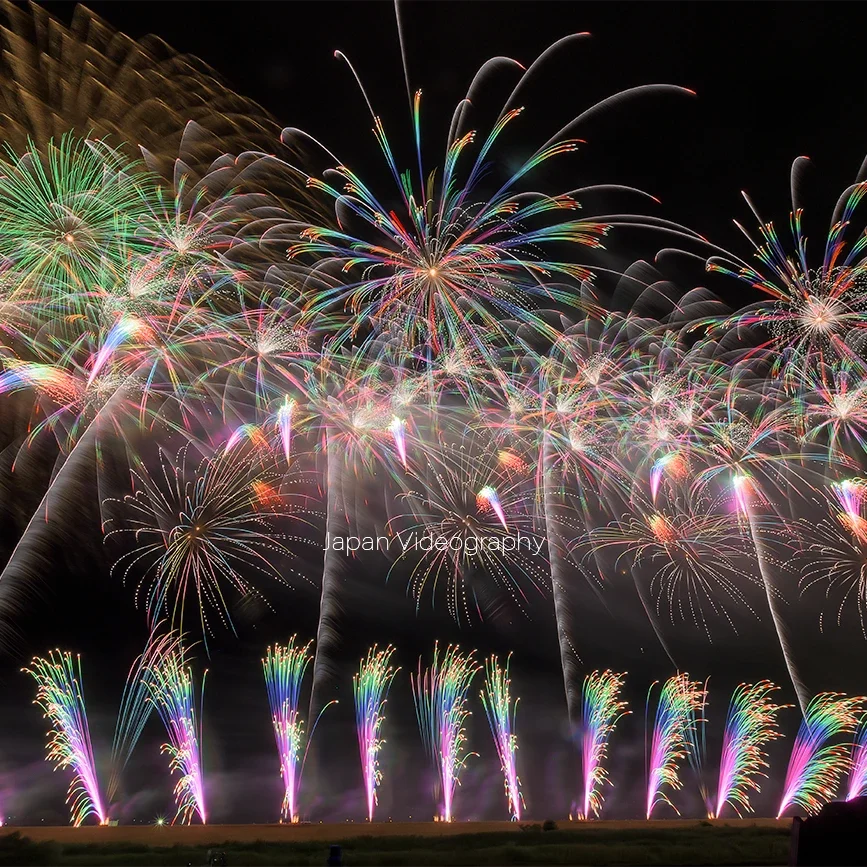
[59, 694]
[440, 694]
[370, 689]
[284, 667]
[501, 711]
[815, 765]
[170, 684]
[602, 709]
[672, 736]
[751, 723]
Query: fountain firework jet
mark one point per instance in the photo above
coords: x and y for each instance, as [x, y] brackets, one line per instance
[169, 680]
[284, 667]
[858, 774]
[501, 711]
[59, 694]
[815, 765]
[751, 722]
[440, 694]
[370, 688]
[601, 711]
[676, 708]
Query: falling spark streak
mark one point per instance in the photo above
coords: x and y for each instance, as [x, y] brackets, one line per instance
[398, 431]
[440, 694]
[59, 694]
[815, 765]
[501, 711]
[743, 488]
[284, 426]
[751, 722]
[487, 499]
[370, 689]
[676, 709]
[601, 710]
[120, 332]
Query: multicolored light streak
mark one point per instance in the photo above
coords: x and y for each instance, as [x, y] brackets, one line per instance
[751, 722]
[440, 693]
[284, 667]
[59, 694]
[171, 686]
[815, 765]
[857, 786]
[370, 689]
[679, 700]
[601, 710]
[501, 711]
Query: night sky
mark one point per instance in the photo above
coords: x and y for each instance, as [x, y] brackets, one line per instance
[773, 81]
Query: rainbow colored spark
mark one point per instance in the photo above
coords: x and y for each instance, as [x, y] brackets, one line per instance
[751, 722]
[370, 689]
[59, 693]
[601, 710]
[440, 694]
[858, 763]
[284, 667]
[679, 701]
[501, 710]
[487, 498]
[815, 765]
[170, 683]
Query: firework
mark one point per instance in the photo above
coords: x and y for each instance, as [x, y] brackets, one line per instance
[440, 694]
[451, 500]
[751, 722]
[201, 532]
[501, 711]
[170, 684]
[815, 765]
[284, 668]
[858, 763]
[602, 709]
[59, 694]
[678, 701]
[370, 688]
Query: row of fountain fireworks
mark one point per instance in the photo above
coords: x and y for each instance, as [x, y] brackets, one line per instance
[162, 678]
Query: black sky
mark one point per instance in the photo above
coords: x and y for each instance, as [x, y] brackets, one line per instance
[773, 81]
